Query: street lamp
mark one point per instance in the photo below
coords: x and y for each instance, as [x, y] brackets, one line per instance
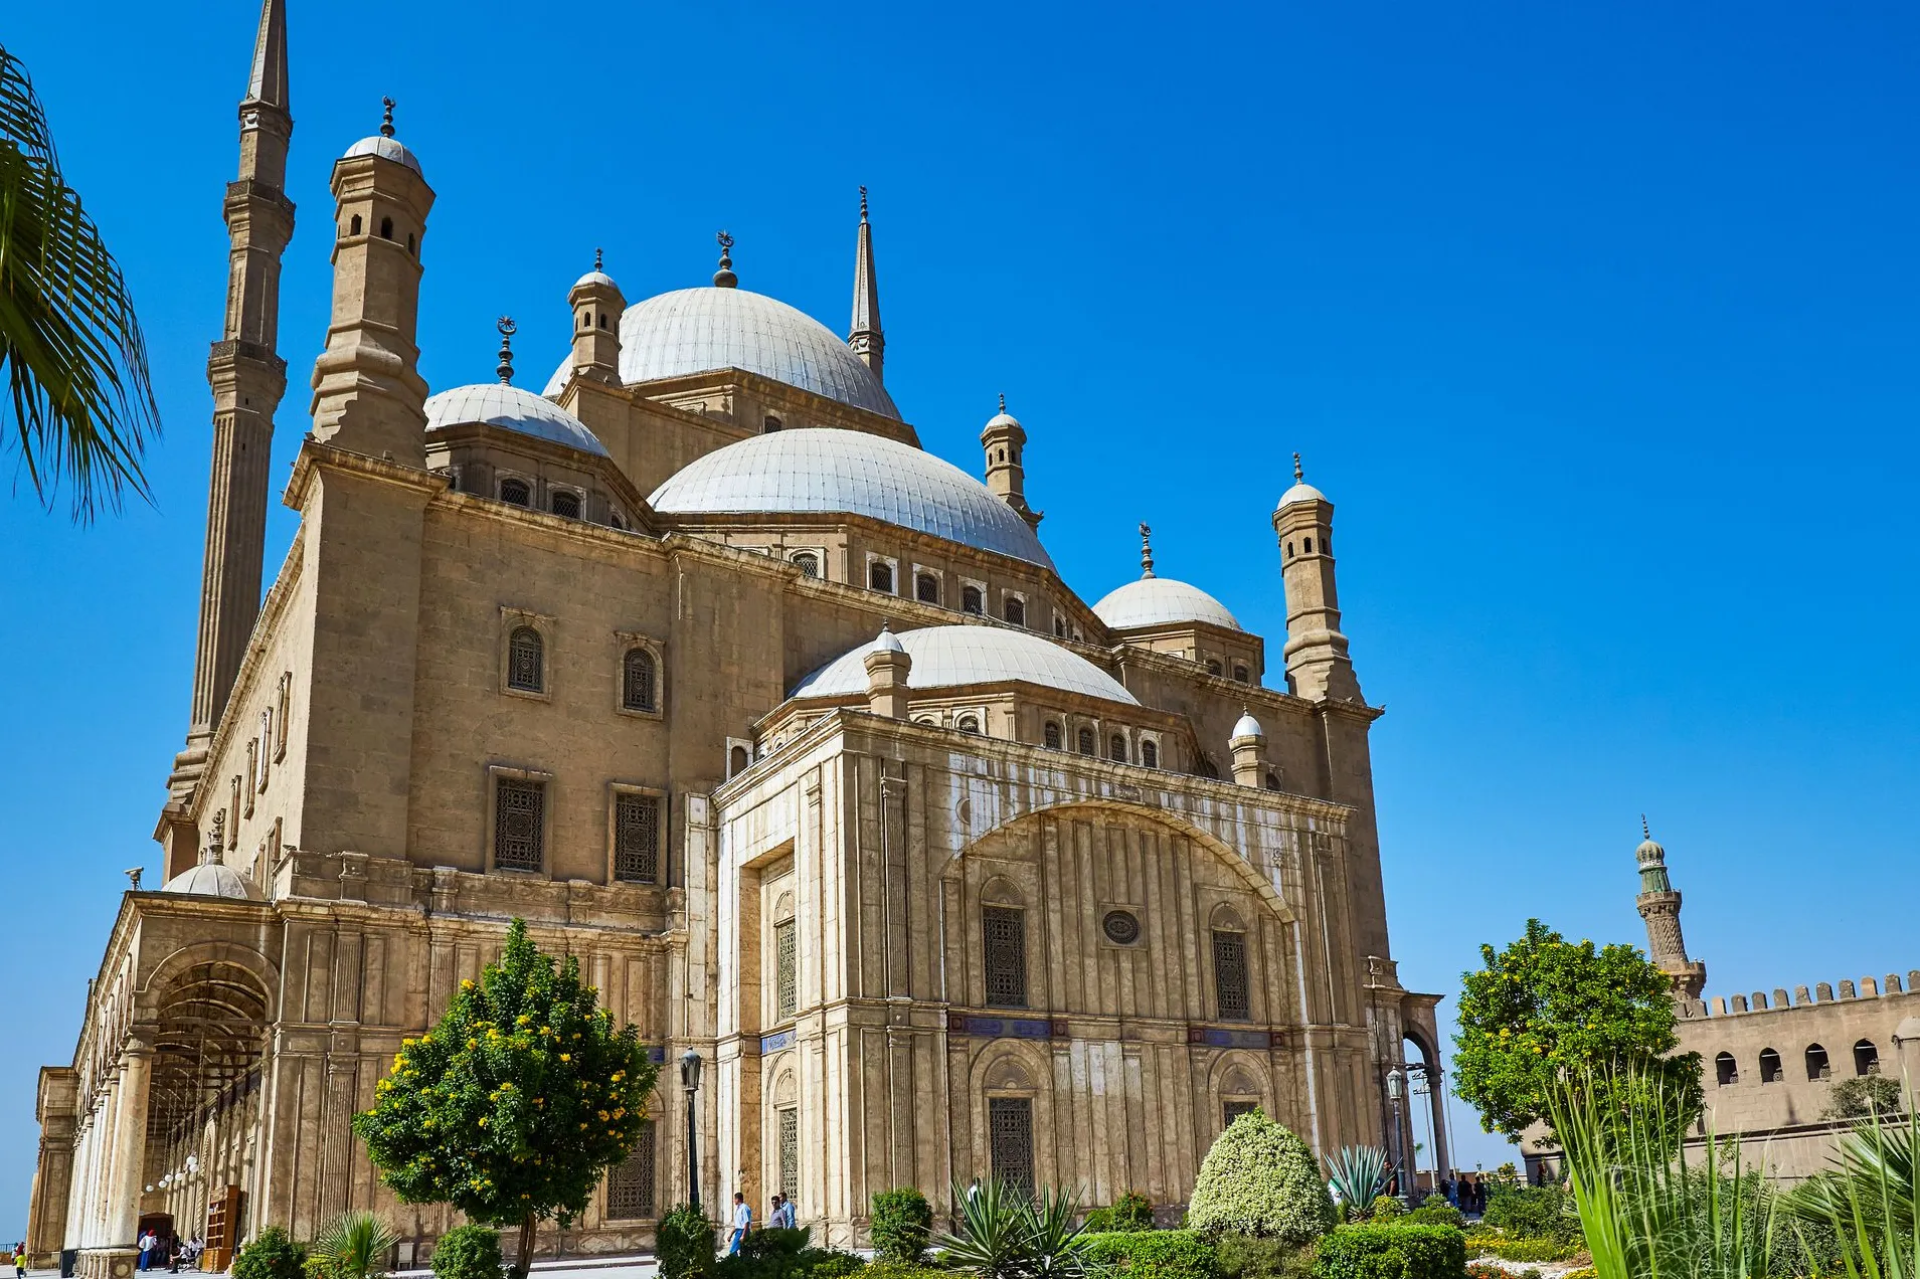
[1396, 1092]
[690, 1081]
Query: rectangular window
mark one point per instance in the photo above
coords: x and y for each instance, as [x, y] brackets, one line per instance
[266, 750]
[786, 995]
[1004, 930]
[1234, 1109]
[630, 1183]
[253, 774]
[636, 839]
[519, 825]
[285, 708]
[1010, 1140]
[789, 1152]
[1230, 986]
[233, 807]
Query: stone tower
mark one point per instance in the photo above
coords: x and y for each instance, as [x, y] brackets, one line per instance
[368, 395]
[248, 379]
[597, 306]
[1005, 440]
[864, 336]
[1318, 667]
[1659, 905]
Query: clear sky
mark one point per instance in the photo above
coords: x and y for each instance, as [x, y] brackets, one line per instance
[1597, 321]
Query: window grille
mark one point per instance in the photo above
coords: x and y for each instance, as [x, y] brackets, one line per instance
[1213, 667]
[926, 588]
[1010, 1140]
[789, 1151]
[971, 602]
[1117, 749]
[1086, 741]
[880, 576]
[637, 684]
[1016, 610]
[525, 660]
[1234, 1109]
[516, 493]
[1052, 735]
[1240, 673]
[1005, 932]
[630, 1182]
[1150, 754]
[636, 845]
[565, 504]
[1230, 975]
[808, 563]
[786, 994]
[519, 824]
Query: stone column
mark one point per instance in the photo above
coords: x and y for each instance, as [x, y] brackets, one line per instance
[115, 1252]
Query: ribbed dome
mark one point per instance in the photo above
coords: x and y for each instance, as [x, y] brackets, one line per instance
[498, 404]
[699, 330]
[1154, 601]
[215, 879]
[954, 656]
[849, 473]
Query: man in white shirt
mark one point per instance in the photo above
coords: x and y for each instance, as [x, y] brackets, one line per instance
[742, 1222]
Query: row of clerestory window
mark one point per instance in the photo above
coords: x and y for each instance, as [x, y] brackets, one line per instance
[927, 590]
[527, 670]
[520, 830]
[1240, 672]
[562, 502]
[1087, 742]
[1003, 938]
[1866, 1061]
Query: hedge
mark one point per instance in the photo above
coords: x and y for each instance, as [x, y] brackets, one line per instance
[1153, 1254]
[1391, 1252]
[468, 1252]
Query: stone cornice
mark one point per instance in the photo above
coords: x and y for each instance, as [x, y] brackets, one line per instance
[546, 450]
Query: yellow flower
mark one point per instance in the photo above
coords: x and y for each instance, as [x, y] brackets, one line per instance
[473, 1043]
[466, 983]
[483, 1121]
[603, 1116]
[566, 1056]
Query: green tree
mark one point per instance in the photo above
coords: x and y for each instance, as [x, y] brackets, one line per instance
[1259, 1179]
[513, 1107]
[1545, 1009]
[1862, 1095]
[74, 394]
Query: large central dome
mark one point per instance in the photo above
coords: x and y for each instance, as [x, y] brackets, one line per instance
[848, 473]
[699, 330]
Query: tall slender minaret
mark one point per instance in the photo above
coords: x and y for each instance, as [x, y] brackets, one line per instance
[1659, 905]
[1318, 667]
[248, 377]
[864, 337]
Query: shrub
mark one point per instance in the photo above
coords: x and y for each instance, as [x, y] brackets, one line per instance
[1259, 1179]
[1436, 1211]
[902, 1224]
[1532, 1212]
[902, 1270]
[1385, 1206]
[1861, 1096]
[684, 1243]
[1155, 1254]
[1244, 1257]
[468, 1252]
[272, 1254]
[1134, 1211]
[1528, 1249]
[1588, 1272]
[837, 1265]
[780, 1253]
[1391, 1252]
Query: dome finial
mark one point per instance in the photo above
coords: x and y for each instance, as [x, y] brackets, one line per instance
[1644, 829]
[505, 367]
[386, 118]
[863, 204]
[597, 263]
[1146, 551]
[1299, 476]
[1003, 401]
[724, 278]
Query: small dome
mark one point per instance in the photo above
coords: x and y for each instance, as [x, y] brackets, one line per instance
[958, 655]
[1154, 601]
[215, 879]
[387, 149]
[1247, 726]
[503, 405]
[1002, 418]
[1301, 492]
[700, 330]
[1650, 852]
[826, 470]
[885, 642]
[596, 279]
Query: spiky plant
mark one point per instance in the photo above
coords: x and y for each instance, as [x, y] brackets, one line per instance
[354, 1245]
[1358, 1174]
[1007, 1233]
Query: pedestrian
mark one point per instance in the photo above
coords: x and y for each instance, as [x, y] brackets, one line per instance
[1449, 1192]
[20, 1260]
[742, 1222]
[146, 1248]
[782, 1218]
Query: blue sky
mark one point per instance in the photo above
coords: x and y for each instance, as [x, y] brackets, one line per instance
[1596, 321]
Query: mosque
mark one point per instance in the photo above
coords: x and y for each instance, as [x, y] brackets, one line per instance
[788, 729]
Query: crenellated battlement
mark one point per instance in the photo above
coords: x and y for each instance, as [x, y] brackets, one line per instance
[1822, 993]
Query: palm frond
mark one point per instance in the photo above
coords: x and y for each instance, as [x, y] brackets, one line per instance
[355, 1245]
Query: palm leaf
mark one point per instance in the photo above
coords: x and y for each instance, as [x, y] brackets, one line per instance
[355, 1245]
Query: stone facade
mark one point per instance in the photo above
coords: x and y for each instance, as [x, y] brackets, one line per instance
[1052, 900]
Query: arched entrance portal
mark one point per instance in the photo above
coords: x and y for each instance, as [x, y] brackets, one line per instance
[1429, 1148]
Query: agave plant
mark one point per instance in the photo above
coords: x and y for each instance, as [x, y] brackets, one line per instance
[1358, 1175]
[354, 1245]
[1006, 1233]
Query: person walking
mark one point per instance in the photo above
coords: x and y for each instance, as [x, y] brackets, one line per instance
[783, 1216]
[742, 1222]
[146, 1248]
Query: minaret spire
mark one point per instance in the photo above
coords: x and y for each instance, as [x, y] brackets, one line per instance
[1659, 905]
[865, 337]
[248, 378]
[1146, 551]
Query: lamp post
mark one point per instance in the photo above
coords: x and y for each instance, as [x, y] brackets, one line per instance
[1396, 1092]
[690, 1081]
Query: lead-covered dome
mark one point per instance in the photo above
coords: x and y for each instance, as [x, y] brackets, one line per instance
[211, 879]
[700, 330]
[1157, 601]
[958, 655]
[503, 405]
[831, 471]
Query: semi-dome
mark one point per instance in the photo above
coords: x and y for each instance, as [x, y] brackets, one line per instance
[503, 405]
[699, 330]
[832, 471]
[958, 655]
[387, 149]
[1156, 601]
[211, 879]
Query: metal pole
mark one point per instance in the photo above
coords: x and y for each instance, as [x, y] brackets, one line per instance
[693, 1156]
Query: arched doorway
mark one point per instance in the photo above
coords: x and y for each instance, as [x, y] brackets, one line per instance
[1429, 1149]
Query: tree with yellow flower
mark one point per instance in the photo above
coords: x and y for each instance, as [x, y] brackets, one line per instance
[1545, 1009]
[515, 1105]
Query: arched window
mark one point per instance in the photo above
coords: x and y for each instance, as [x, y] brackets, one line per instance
[1273, 781]
[411, 250]
[1213, 667]
[1866, 1058]
[1059, 626]
[613, 518]
[516, 492]
[880, 576]
[771, 424]
[1004, 932]
[603, 319]
[1016, 610]
[526, 660]
[968, 724]
[1051, 735]
[355, 225]
[970, 601]
[1725, 1070]
[1150, 754]
[1817, 1067]
[736, 760]
[1240, 673]
[1117, 748]
[586, 319]
[1231, 989]
[565, 504]
[637, 681]
[1306, 546]
[1086, 741]
[808, 563]
[1770, 1069]
[386, 228]
[1289, 548]
[926, 588]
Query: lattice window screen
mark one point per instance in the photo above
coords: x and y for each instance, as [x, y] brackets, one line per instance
[789, 1152]
[630, 1183]
[636, 839]
[1010, 1140]
[1230, 975]
[525, 651]
[1234, 1109]
[1004, 931]
[638, 693]
[519, 824]
[786, 995]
